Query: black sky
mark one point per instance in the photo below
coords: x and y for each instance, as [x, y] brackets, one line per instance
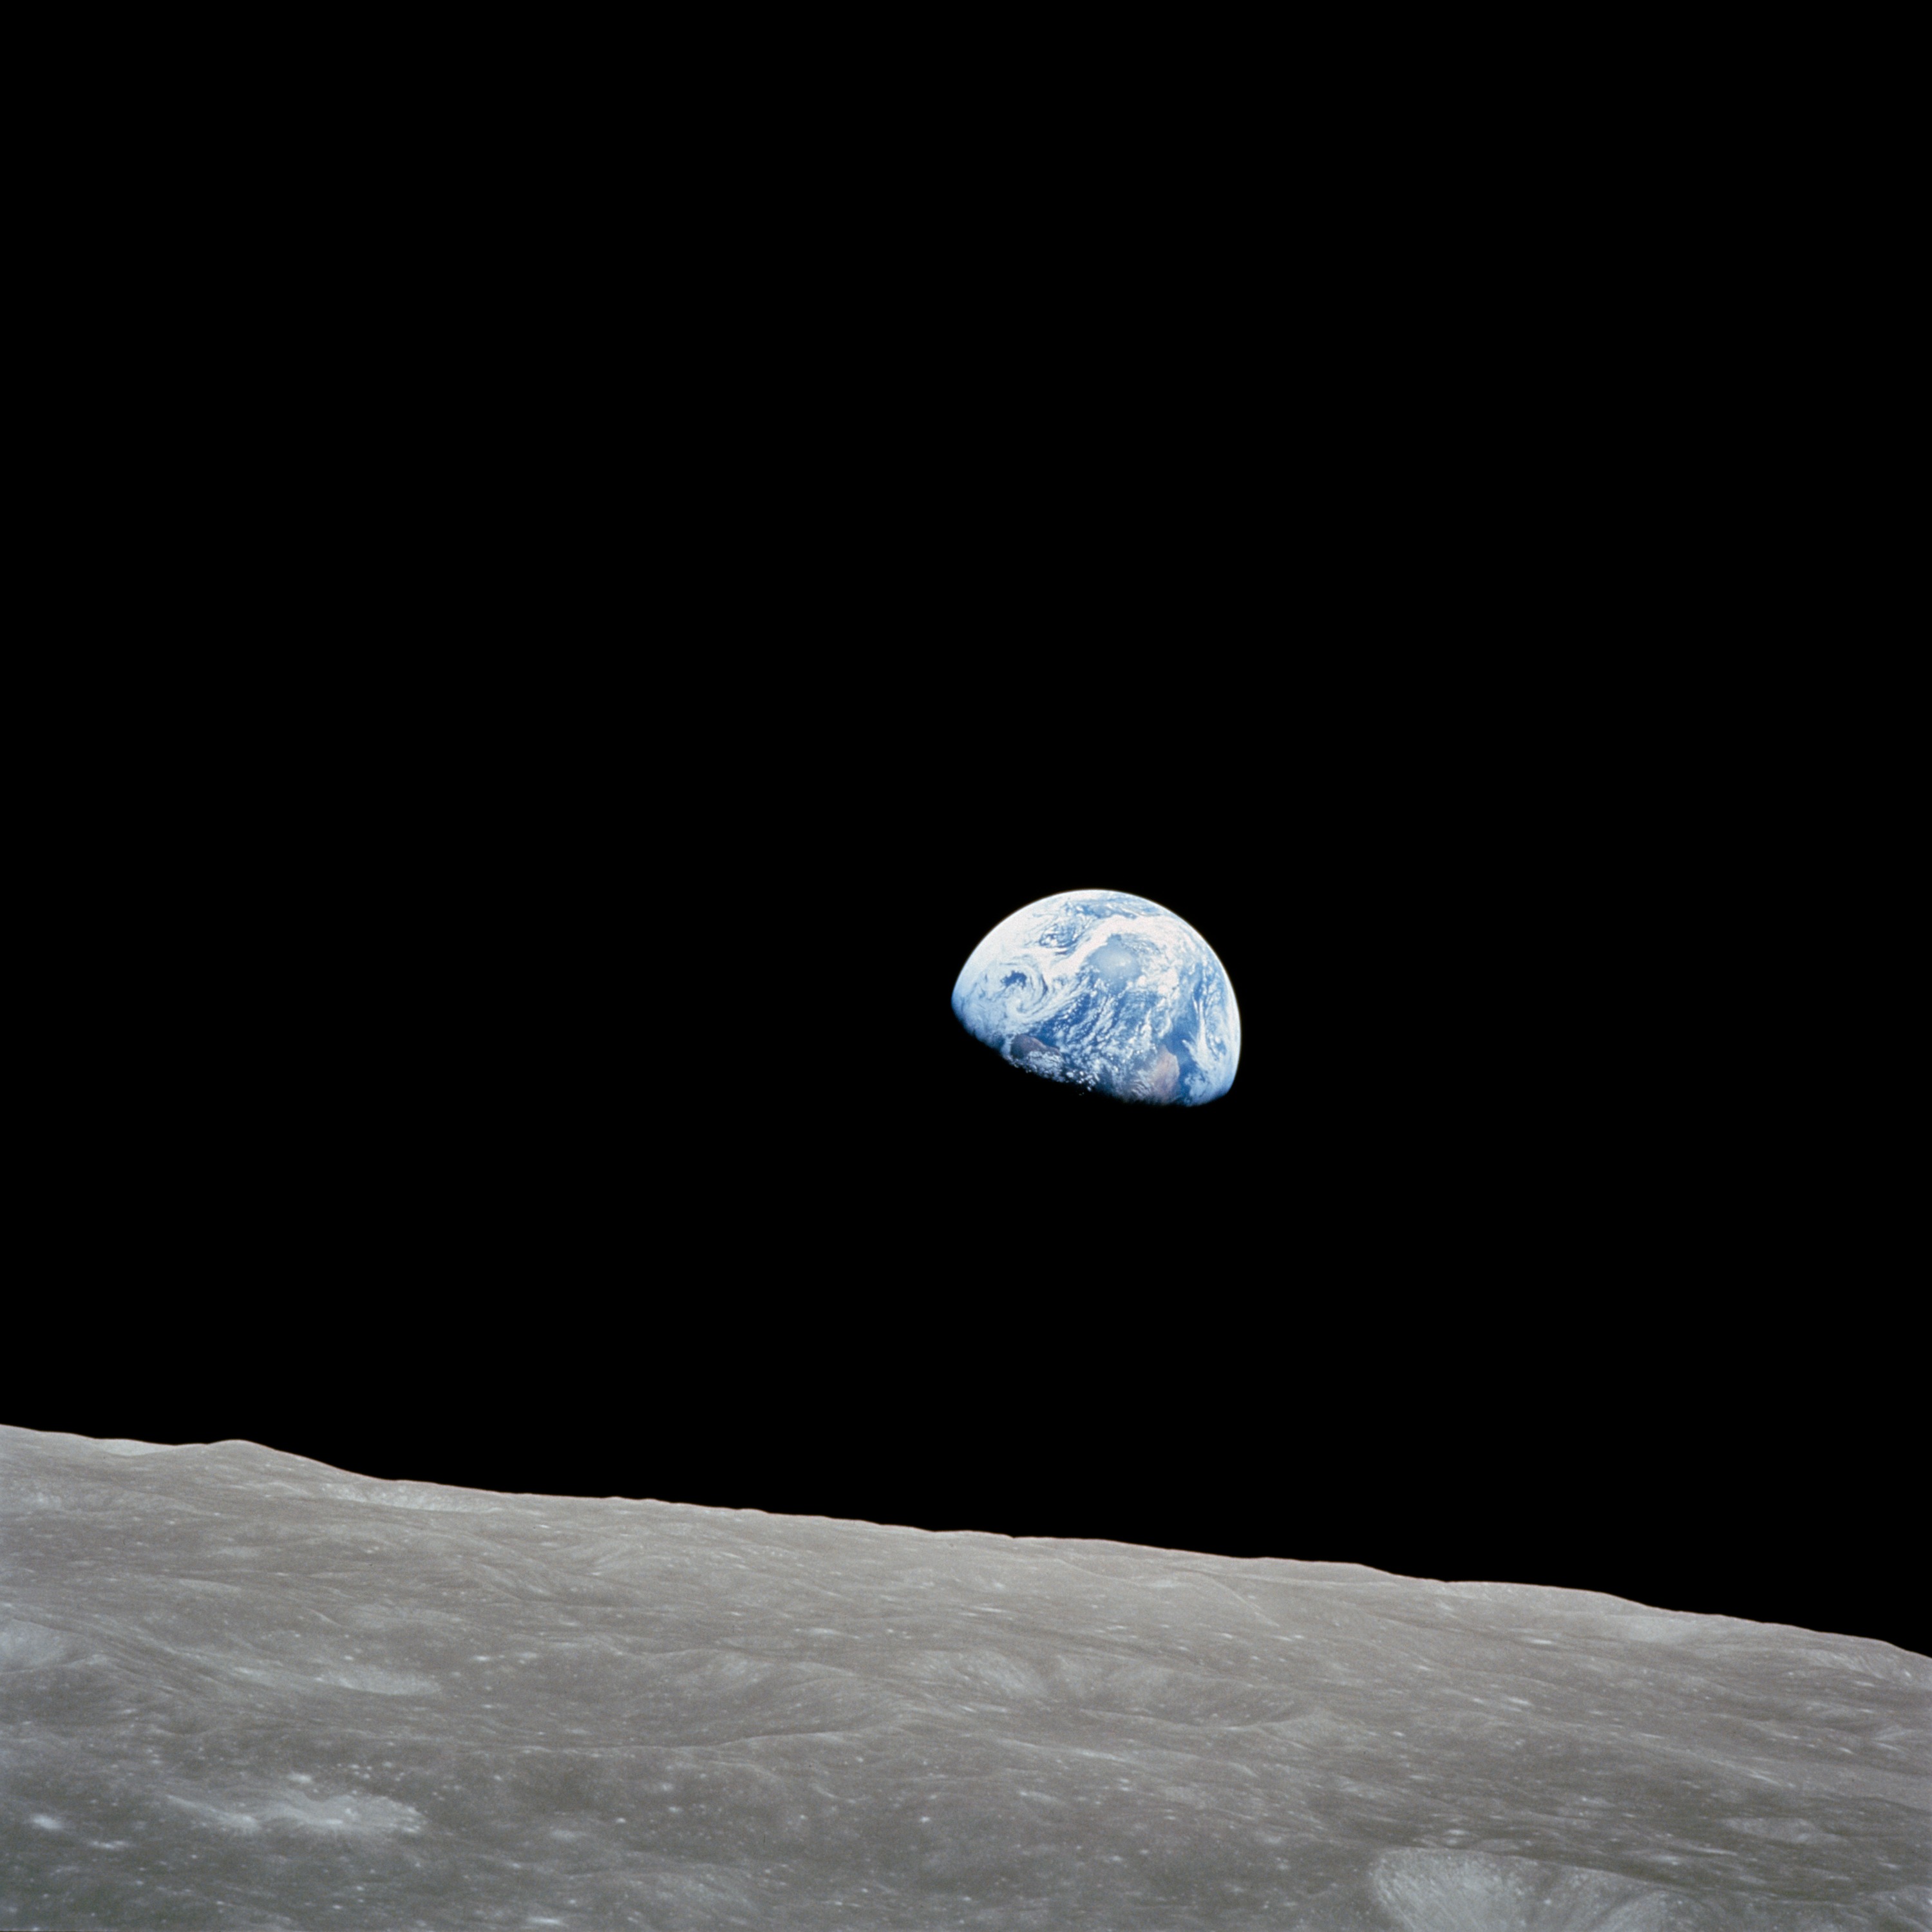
[537, 1111]
[496, 974]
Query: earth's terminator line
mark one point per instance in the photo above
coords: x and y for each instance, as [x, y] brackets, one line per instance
[1107, 990]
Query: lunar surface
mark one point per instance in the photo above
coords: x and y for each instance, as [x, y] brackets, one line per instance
[1107, 990]
[240, 1688]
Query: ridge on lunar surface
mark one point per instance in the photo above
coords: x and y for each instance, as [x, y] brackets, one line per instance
[1107, 990]
[240, 1687]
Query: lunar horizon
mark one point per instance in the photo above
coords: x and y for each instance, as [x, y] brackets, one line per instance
[244, 1687]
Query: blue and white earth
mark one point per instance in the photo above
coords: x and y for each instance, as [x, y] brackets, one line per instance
[1108, 990]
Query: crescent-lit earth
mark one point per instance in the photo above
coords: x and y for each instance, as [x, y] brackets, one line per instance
[1107, 990]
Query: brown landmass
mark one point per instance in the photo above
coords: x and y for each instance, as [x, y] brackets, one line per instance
[1155, 1079]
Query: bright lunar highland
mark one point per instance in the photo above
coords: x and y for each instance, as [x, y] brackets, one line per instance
[1107, 990]
[240, 1689]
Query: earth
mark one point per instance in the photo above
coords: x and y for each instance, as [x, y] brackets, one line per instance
[1106, 991]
